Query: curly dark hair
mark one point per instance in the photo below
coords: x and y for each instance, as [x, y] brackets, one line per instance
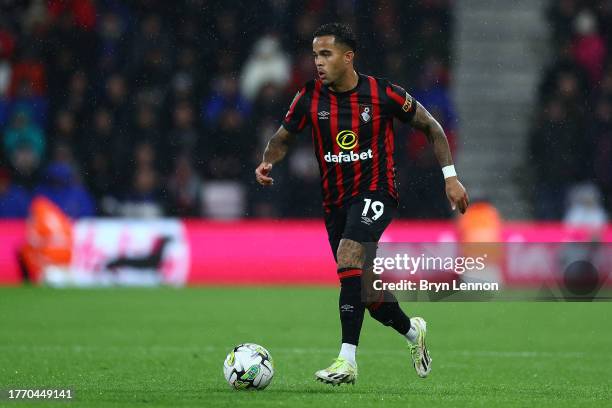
[343, 33]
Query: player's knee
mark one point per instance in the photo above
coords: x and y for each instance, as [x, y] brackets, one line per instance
[346, 261]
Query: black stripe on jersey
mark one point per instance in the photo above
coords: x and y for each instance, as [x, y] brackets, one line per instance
[318, 143]
[328, 141]
[355, 126]
[382, 183]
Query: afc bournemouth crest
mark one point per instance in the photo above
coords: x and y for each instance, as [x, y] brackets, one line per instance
[365, 113]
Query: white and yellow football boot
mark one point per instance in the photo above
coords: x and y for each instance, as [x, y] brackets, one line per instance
[340, 372]
[418, 350]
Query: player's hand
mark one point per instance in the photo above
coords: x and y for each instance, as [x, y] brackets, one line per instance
[262, 174]
[457, 195]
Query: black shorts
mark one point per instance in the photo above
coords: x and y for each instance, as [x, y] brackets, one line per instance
[363, 219]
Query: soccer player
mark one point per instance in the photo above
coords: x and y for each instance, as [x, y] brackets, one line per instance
[351, 116]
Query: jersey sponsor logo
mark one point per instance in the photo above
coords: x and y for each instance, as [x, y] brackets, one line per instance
[346, 139]
[347, 157]
[365, 113]
[323, 115]
[407, 103]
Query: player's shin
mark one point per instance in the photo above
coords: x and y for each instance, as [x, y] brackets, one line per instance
[352, 310]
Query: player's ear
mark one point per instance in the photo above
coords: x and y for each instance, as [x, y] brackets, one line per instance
[349, 56]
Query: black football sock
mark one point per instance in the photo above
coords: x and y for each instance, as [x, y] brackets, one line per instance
[388, 312]
[352, 308]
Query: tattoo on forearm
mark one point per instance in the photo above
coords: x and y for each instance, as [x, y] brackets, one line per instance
[275, 150]
[277, 146]
[435, 135]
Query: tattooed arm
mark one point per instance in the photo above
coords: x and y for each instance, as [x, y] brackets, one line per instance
[275, 151]
[422, 120]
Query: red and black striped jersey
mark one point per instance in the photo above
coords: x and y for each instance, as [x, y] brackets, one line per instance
[352, 134]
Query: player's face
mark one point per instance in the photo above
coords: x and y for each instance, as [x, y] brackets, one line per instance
[332, 60]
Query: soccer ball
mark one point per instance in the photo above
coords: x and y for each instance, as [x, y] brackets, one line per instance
[248, 366]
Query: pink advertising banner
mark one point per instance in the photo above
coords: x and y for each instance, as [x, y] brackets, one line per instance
[273, 252]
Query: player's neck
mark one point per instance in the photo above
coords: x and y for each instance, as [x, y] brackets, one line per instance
[346, 83]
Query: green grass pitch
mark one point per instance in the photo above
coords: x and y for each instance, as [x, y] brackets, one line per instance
[165, 347]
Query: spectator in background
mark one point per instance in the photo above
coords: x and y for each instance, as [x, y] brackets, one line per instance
[116, 100]
[563, 64]
[584, 208]
[184, 138]
[186, 77]
[589, 48]
[231, 147]
[75, 21]
[28, 73]
[7, 43]
[14, 199]
[99, 78]
[601, 133]
[82, 12]
[184, 190]
[146, 127]
[227, 27]
[104, 155]
[267, 64]
[116, 95]
[24, 145]
[225, 95]
[140, 194]
[432, 91]
[37, 104]
[553, 144]
[151, 56]
[114, 47]
[605, 87]
[61, 186]
[561, 15]
[77, 100]
[65, 130]
[143, 199]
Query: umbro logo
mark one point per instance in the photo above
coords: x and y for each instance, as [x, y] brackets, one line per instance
[323, 115]
[366, 220]
[347, 308]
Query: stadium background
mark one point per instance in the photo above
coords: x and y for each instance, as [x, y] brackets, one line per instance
[143, 121]
[146, 109]
[143, 110]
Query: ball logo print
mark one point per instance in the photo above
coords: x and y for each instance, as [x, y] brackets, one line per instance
[248, 366]
[346, 139]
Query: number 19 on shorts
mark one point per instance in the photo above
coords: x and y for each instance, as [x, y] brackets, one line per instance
[377, 207]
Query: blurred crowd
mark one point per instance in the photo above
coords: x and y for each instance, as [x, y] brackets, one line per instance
[150, 108]
[570, 147]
